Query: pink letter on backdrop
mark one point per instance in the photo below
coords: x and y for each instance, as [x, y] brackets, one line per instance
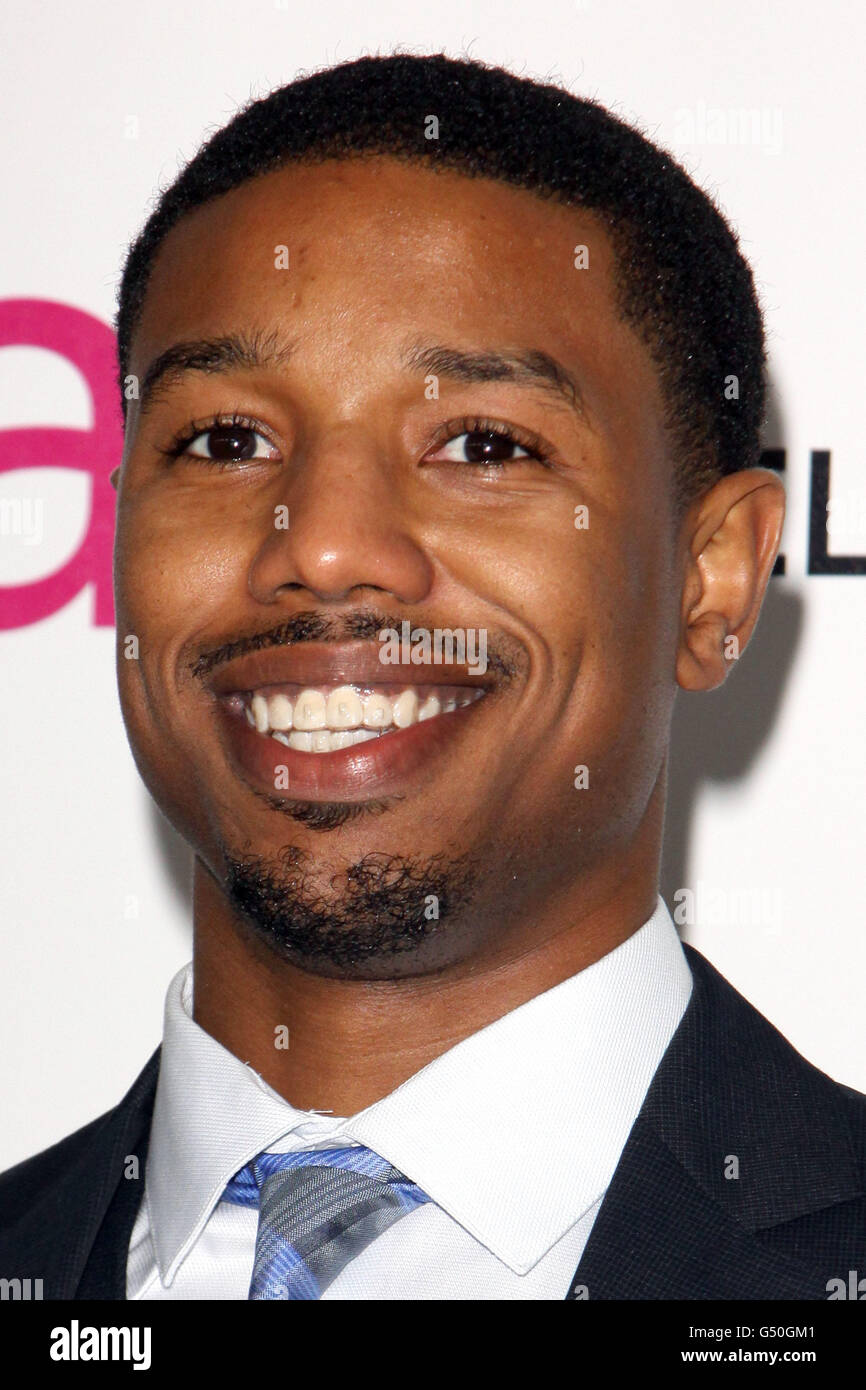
[90, 345]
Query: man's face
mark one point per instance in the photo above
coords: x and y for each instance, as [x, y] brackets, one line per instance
[353, 494]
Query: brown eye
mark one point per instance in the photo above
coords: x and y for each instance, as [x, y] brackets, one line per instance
[230, 444]
[491, 447]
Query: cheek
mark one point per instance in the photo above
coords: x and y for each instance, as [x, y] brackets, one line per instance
[175, 567]
[601, 600]
[605, 585]
[178, 576]
[626, 685]
[527, 559]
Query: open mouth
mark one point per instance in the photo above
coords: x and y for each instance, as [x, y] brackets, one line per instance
[325, 721]
[329, 718]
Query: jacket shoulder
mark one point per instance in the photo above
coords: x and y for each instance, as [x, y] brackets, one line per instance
[854, 1104]
[745, 1090]
[22, 1185]
[762, 1041]
[27, 1184]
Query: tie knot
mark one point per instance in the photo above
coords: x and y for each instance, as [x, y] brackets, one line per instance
[246, 1186]
[317, 1211]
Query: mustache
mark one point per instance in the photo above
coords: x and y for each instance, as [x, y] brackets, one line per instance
[505, 657]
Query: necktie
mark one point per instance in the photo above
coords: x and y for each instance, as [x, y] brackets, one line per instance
[317, 1211]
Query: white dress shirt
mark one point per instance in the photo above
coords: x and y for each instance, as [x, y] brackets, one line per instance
[514, 1134]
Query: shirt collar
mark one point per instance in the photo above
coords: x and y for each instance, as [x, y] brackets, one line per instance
[515, 1132]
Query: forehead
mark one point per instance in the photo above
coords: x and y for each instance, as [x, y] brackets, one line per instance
[358, 255]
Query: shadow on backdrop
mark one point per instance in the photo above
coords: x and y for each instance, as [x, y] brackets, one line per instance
[175, 858]
[718, 736]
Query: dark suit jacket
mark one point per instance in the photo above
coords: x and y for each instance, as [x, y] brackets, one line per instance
[672, 1225]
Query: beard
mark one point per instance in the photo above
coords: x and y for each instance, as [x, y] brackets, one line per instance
[381, 910]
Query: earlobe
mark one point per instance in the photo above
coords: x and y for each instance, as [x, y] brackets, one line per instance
[701, 663]
[734, 541]
[114, 477]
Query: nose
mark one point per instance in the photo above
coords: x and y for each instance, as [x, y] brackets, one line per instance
[350, 526]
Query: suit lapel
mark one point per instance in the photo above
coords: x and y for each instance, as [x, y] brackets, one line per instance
[86, 1191]
[675, 1222]
[104, 1275]
[659, 1235]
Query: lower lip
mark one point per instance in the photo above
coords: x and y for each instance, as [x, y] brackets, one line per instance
[377, 768]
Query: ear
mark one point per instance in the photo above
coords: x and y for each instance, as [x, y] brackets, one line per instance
[114, 477]
[731, 536]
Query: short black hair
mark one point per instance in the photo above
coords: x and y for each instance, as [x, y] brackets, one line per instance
[682, 283]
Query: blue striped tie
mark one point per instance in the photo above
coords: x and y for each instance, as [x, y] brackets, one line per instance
[317, 1211]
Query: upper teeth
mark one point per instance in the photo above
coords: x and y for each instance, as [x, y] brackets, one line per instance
[324, 720]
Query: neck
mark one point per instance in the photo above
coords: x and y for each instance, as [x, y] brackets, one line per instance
[339, 1045]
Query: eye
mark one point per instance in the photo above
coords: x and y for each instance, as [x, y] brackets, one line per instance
[222, 442]
[230, 444]
[486, 444]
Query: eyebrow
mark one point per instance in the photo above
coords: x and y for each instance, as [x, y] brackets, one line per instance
[214, 356]
[525, 366]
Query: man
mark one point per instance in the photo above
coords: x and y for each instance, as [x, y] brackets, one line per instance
[442, 396]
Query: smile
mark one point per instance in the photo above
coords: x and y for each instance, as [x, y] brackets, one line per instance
[323, 722]
[327, 719]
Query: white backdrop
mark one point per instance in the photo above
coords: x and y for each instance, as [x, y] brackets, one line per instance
[765, 105]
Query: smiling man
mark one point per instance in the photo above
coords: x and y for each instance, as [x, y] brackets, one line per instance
[422, 360]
